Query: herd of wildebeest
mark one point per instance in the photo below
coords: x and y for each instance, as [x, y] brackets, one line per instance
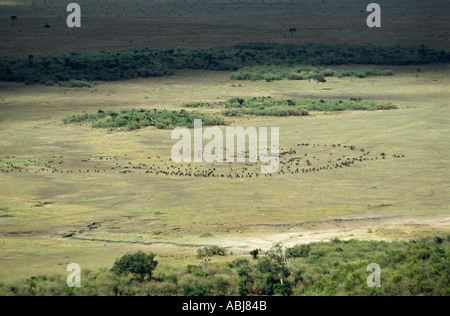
[305, 158]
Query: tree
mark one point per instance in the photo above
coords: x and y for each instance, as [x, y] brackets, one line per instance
[318, 78]
[254, 254]
[140, 265]
[275, 262]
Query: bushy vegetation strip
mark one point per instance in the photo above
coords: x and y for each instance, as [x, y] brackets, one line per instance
[268, 106]
[271, 73]
[257, 106]
[142, 63]
[136, 119]
[417, 267]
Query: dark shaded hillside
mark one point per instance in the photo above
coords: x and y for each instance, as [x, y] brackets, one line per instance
[111, 25]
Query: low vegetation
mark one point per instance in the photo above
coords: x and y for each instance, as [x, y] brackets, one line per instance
[271, 73]
[136, 119]
[258, 106]
[268, 106]
[417, 267]
[209, 252]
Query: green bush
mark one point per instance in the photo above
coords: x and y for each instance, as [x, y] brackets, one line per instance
[282, 289]
[298, 251]
[200, 290]
[196, 104]
[209, 252]
[220, 285]
[254, 253]
[237, 263]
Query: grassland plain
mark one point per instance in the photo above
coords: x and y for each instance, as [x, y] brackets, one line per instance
[51, 219]
[115, 24]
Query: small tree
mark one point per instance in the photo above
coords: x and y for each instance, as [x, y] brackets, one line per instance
[140, 265]
[318, 78]
[254, 254]
[275, 262]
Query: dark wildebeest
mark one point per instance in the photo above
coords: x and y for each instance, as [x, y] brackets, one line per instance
[292, 31]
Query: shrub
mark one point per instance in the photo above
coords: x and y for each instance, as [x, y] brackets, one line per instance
[254, 254]
[269, 284]
[298, 276]
[298, 251]
[237, 263]
[242, 288]
[396, 278]
[200, 290]
[209, 252]
[220, 285]
[196, 104]
[282, 289]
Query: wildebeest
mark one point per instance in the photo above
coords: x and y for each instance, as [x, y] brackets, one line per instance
[292, 30]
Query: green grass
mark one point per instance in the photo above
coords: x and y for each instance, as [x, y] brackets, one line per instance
[196, 105]
[13, 162]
